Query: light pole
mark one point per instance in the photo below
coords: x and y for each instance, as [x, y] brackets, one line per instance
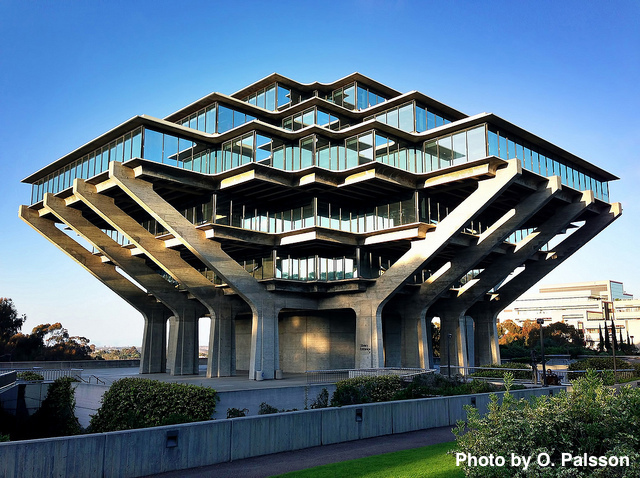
[449, 354]
[544, 361]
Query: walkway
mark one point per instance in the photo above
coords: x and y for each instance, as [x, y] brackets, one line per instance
[278, 463]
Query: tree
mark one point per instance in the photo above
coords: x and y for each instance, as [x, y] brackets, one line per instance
[10, 322]
[601, 343]
[613, 336]
[607, 343]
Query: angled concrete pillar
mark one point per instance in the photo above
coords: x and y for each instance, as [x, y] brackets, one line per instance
[443, 279]
[135, 267]
[369, 339]
[265, 354]
[222, 352]
[535, 270]
[153, 312]
[487, 349]
[167, 259]
[457, 327]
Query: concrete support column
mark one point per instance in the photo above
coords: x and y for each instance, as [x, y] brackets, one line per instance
[153, 358]
[457, 327]
[183, 344]
[487, 350]
[222, 351]
[369, 340]
[265, 355]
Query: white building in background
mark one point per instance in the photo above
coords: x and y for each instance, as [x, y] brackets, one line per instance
[585, 305]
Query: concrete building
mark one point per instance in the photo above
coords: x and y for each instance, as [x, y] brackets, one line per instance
[319, 226]
[585, 305]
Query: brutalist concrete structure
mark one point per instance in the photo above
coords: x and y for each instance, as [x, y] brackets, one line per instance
[319, 226]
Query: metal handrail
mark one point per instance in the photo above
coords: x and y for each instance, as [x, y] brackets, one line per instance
[332, 376]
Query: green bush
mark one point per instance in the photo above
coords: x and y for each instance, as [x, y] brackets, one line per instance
[600, 363]
[266, 409]
[30, 376]
[236, 412]
[4, 437]
[322, 400]
[366, 389]
[525, 374]
[56, 415]
[435, 385]
[593, 419]
[139, 403]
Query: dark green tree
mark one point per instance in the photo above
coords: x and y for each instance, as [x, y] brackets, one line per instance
[613, 336]
[10, 321]
[601, 342]
[607, 343]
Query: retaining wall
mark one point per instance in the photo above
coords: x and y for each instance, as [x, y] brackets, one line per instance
[156, 450]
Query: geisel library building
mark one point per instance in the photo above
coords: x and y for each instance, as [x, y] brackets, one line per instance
[319, 226]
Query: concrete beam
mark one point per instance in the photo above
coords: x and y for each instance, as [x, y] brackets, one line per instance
[154, 313]
[535, 270]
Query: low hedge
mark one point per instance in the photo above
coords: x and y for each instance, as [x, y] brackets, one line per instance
[366, 389]
[601, 363]
[524, 375]
[29, 376]
[139, 403]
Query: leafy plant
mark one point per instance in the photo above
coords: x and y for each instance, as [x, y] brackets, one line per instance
[56, 415]
[322, 400]
[593, 419]
[524, 374]
[366, 389]
[138, 403]
[266, 409]
[236, 412]
[30, 376]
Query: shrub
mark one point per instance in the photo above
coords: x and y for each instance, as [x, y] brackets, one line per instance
[593, 419]
[4, 437]
[30, 376]
[525, 374]
[236, 412]
[56, 415]
[366, 389]
[601, 363]
[432, 385]
[266, 409]
[322, 400]
[138, 403]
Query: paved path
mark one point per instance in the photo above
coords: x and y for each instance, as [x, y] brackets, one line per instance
[269, 465]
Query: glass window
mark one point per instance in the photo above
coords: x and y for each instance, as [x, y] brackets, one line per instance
[263, 149]
[278, 157]
[365, 149]
[287, 123]
[337, 97]
[225, 119]
[363, 102]
[260, 99]
[119, 150]
[185, 152]
[459, 151]
[352, 152]
[210, 120]
[511, 149]
[170, 150]
[247, 149]
[503, 148]
[270, 100]
[494, 149]
[431, 156]
[405, 117]
[439, 121]
[392, 117]
[476, 146]
[308, 117]
[349, 99]
[323, 118]
[373, 98]
[136, 144]
[323, 157]
[445, 153]
[306, 151]
[297, 122]
[431, 120]
[153, 145]
[421, 119]
[127, 147]
[238, 118]
[284, 96]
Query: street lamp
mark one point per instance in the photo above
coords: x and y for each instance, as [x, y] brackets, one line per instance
[449, 354]
[544, 362]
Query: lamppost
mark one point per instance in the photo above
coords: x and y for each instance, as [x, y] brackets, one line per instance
[544, 361]
[449, 354]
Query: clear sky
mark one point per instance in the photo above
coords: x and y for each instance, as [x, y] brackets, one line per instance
[69, 71]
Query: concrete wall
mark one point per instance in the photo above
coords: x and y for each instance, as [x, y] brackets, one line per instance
[316, 340]
[243, 342]
[160, 449]
[62, 365]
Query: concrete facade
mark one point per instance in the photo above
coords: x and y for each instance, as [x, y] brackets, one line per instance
[318, 226]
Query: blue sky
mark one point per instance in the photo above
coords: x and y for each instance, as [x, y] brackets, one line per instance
[567, 71]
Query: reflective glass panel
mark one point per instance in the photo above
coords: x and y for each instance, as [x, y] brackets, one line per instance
[476, 146]
[365, 150]
[210, 119]
[459, 153]
[405, 117]
[153, 145]
[352, 152]
[349, 100]
[270, 100]
[306, 152]
[363, 102]
[421, 119]
[284, 96]
[431, 156]
[225, 119]
[445, 153]
[170, 150]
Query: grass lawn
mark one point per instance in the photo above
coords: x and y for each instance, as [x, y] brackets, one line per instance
[429, 461]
